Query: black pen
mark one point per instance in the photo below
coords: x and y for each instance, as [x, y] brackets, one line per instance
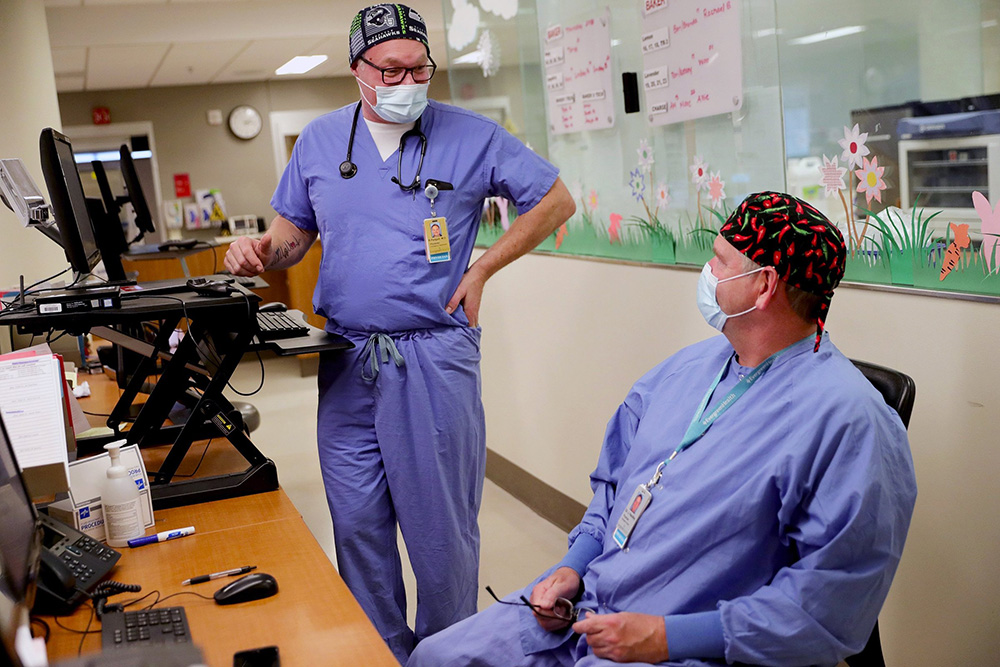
[218, 575]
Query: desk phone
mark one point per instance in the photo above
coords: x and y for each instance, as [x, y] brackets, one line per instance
[73, 564]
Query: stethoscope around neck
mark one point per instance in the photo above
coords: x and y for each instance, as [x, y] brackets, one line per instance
[348, 169]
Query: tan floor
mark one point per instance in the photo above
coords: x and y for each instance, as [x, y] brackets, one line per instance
[517, 544]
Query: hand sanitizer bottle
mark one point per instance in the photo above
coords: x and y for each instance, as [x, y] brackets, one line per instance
[120, 498]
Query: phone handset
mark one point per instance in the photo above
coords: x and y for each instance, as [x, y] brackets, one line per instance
[55, 576]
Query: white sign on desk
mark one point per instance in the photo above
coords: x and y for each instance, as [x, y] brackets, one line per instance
[578, 75]
[692, 59]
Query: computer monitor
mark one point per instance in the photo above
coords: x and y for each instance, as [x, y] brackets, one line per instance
[68, 201]
[143, 218]
[108, 230]
[110, 240]
[20, 550]
[112, 204]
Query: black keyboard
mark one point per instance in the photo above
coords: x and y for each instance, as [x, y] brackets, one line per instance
[166, 625]
[273, 325]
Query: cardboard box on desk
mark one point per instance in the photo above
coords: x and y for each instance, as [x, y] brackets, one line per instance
[83, 509]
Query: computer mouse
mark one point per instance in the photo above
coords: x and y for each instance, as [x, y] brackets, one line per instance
[251, 587]
[272, 307]
[209, 287]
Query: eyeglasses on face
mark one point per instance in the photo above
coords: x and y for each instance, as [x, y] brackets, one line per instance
[394, 75]
[563, 610]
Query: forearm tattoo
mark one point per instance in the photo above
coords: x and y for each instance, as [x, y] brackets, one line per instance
[285, 250]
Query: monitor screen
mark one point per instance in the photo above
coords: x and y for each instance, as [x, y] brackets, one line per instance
[20, 544]
[143, 219]
[68, 202]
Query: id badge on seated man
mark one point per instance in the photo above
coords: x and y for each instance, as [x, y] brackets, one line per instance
[436, 241]
[637, 504]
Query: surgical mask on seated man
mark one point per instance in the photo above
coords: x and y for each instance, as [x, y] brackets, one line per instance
[708, 302]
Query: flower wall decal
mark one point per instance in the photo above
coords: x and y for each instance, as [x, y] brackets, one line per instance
[645, 156]
[637, 182]
[854, 146]
[716, 190]
[833, 176]
[662, 195]
[870, 180]
[699, 172]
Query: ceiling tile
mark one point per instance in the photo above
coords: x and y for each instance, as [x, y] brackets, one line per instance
[259, 60]
[112, 67]
[192, 63]
[274, 31]
[72, 83]
[70, 60]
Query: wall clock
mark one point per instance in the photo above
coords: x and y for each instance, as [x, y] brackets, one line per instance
[245, 122]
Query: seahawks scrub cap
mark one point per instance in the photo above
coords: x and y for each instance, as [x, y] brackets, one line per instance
[806, 249]
[380, 23]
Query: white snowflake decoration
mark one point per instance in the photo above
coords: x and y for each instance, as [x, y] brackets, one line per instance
[489, 53]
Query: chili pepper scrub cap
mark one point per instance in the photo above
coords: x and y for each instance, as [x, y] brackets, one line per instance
[805, 248]
[380, 23]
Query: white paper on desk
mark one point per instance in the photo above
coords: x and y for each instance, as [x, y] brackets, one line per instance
[31, 402]
[79, 418]
[86, 476]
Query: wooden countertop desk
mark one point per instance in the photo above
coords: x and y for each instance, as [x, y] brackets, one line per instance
[313, 619]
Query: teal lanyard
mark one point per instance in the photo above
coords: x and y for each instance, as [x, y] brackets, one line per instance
[700, 423]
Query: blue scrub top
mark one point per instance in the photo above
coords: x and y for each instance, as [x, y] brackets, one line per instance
[374, 275]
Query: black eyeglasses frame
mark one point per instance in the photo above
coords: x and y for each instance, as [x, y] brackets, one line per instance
[406, 70]
[564, 610]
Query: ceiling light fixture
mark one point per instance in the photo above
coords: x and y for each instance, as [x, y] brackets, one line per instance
[828, 34]
[300, 65]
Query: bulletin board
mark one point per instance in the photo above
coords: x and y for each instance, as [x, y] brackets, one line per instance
[578, 75]
[692, 59]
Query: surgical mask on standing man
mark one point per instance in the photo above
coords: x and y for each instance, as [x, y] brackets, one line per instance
[402, 103]
[708, 302]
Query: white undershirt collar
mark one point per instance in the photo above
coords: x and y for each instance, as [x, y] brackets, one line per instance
[387, 136]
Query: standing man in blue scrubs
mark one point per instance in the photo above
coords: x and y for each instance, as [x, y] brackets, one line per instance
[396, 201]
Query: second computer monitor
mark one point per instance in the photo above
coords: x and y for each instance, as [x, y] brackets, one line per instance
[143, 218]
[69, 205]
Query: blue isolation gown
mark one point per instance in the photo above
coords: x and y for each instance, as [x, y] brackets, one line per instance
[786, 519]
[403, 443]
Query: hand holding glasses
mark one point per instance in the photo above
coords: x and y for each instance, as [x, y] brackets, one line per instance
[562, 610]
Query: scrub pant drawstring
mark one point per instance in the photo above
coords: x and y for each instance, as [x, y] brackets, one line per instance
[379, 344]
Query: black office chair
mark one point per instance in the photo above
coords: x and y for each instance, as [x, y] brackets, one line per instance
[898, 390]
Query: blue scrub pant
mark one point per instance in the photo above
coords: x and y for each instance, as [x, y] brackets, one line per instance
[409, 449]
[492, 638]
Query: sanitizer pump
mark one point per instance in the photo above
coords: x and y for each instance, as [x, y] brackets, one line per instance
[120, 498]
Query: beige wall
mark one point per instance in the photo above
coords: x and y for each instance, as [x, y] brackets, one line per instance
[244, 171]
[564, 339]
[27, 104]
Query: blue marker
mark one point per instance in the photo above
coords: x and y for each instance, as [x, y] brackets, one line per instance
[162, 537]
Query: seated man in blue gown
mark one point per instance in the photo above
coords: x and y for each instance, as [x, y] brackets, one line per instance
[752, 495]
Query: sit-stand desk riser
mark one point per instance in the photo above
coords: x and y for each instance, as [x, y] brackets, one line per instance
[220, 330]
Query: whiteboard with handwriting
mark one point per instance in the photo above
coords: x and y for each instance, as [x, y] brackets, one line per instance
[578, 75]
[691, 57]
